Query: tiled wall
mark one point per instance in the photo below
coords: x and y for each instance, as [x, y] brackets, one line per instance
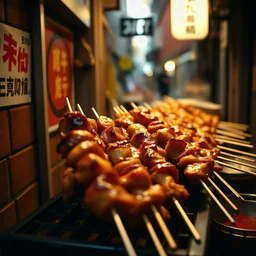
[57, 165]
[18, 176]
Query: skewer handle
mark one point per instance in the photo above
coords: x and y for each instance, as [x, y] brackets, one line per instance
[236, 151]
[218, 202]
[223, 195]
[187, 220]
[154, 237]
[228, 186]
[127, 243]
[164, 228]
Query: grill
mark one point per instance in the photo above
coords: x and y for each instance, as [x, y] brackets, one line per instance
[57, 228]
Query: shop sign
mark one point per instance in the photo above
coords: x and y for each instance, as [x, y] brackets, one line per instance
[189, 19]
[59, 59]
[125, 63]
[15, 66]
[136, 27]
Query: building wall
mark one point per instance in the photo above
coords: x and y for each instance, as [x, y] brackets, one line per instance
[18, 176]
[171, 47]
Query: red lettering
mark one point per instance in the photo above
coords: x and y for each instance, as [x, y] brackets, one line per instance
[10, 49]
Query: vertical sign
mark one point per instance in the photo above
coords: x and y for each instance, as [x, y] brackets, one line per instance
[15, 66]
[189, 19]
[59, 60]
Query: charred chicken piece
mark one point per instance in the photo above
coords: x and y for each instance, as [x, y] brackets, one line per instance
[89, 167]
[107, 192]
[104, 122]
[142, 115]
[113, 134]
[74, 121]
[71, 140]
[124, 120]
[119, 151]
[80, 150]
[198, 171]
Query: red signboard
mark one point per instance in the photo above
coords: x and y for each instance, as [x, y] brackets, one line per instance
[59, 60]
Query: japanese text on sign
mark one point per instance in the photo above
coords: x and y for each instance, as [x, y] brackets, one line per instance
[15, 67]
[189, 19]
[59, 45]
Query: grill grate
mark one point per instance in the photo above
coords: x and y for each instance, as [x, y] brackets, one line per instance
[72, 226]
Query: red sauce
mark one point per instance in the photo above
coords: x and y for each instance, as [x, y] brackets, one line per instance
[243, 221]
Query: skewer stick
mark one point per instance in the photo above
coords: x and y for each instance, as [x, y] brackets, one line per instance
[236, 162]
[147, 105]
[133, 105]
[230, 134]
[154, 237]
[223, 137]
[235, 168]
[235, 143]
[95, 113]
[127, 243]
[187, 220]
[164, 228]
[124, 109]
[238, 156]
[228, 186]
[236, 125]
[218, 202]
[122, 231]
[235, 131]
[222, 194]
[236, 151]
[116, 110]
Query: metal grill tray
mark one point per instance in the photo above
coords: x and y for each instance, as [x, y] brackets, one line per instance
[57, 228]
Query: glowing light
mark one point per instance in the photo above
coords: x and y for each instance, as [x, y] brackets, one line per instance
[189, 19]
[169, 66]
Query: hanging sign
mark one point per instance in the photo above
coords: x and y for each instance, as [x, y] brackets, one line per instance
[15, 66]
[136, 27]
[59, 59]
[189, 19]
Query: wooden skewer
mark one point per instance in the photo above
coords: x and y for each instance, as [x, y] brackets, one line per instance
[228, 186]
[164, 228]
[147, 105]
[218, 202]
[237, 162]
[133, 105]
[235, 143]
[236, 125]
[154, 237]
[235, 168]
[187, 220]
[235, 131]
[124, 109]
[236, 151]
[230, 134]
[238, 156]
[223, 195]
[222, 137]
[127, 243]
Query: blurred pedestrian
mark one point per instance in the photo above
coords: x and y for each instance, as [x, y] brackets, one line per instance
[163, 81]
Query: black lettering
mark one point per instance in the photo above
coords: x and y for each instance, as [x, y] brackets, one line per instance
[17, 86]
[25, 85]
[2, 87]
[10, 87]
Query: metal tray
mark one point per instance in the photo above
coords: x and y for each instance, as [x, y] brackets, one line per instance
[57, 228]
